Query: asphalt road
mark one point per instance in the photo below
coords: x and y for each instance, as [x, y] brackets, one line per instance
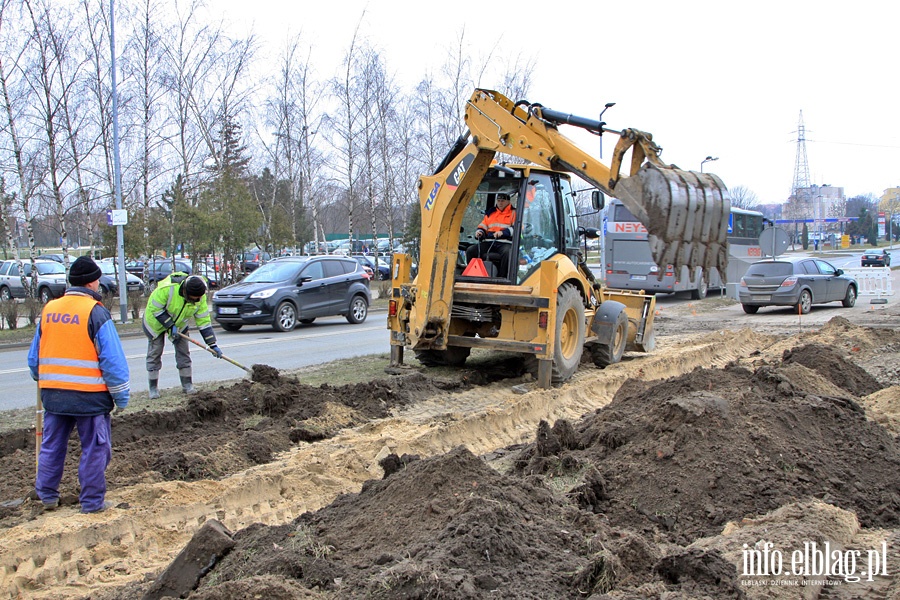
[325, 340]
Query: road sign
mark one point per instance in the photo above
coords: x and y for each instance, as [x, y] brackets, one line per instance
[117, 217]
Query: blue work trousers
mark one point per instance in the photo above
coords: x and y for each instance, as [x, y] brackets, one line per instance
[96, 452]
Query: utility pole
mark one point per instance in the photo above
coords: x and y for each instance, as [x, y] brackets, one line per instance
[120, 234]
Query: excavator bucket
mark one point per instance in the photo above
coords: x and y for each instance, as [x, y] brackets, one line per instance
[686, 215]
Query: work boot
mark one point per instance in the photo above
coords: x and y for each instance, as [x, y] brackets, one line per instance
[154, 389]
[187, 386]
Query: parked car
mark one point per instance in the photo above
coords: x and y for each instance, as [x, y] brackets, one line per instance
[208, 273]
[799, 282]
[159, 269]
[384, 268]
[295, 289]
[51, 279]
[57, 257]
[253, 259]
[876, 258]
[109, 281]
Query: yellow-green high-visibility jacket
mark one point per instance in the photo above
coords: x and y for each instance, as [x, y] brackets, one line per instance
[167, 297]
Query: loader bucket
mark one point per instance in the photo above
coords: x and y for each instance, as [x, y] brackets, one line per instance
[640, 309]
[685, 213]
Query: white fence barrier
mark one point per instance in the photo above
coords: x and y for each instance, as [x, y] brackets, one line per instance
[873, 281]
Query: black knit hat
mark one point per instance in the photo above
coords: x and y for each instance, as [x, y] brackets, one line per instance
[193, 287]
[84, 271]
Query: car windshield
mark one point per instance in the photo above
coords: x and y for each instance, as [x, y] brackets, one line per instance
[107, 268]
[275, 271]
[51, 268]
[770, 270]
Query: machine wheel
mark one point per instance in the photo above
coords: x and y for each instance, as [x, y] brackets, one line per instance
[750, 309]
[453, 356]
[610, 352]
[701, 291]
[307, 321]
[285, 317]
[569, 334]
[231, 326]
[4, 294]
[850, 299]
[805, 303]
[45, 295]
[359, 310]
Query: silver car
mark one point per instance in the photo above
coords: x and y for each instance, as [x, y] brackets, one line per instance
[799, 282]
[51, 279]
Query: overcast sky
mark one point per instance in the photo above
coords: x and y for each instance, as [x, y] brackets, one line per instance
[726, 79]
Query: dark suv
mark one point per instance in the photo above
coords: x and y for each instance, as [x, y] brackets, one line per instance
[295, 289]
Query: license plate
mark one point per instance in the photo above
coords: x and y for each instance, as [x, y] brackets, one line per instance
[228, 310]
[759, 298]
[639, 277]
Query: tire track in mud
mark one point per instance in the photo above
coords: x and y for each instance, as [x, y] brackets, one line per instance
[66, 554]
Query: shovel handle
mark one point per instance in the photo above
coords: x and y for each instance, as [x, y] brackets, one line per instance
[213, 352]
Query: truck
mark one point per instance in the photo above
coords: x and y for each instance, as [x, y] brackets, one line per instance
[547, 305]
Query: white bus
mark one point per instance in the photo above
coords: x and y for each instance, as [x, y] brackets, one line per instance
[628, 263]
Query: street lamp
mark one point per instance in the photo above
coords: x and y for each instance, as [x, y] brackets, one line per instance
[706, 160]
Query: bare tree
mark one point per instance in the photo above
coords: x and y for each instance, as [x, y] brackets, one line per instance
[346, 125]
[25, 173]
[743, 197]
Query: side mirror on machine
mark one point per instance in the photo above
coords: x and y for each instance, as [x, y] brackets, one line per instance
[591, 233]
[598, 200]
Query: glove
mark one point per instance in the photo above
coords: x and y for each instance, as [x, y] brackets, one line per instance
[215, 349]
[173, 334]
[118, 411]
[479, 233]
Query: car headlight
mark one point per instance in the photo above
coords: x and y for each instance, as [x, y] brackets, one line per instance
[264, 294]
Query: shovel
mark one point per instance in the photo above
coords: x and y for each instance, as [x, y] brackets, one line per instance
[213, 352]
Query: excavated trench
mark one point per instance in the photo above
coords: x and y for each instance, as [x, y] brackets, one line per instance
[624, 480]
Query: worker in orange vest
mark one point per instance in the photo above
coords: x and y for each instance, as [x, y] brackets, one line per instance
[494, 235]
[77, 359]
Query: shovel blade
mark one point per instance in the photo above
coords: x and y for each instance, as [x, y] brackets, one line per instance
[686, 215]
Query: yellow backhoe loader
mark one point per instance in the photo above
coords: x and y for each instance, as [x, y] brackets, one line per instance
[546, 304]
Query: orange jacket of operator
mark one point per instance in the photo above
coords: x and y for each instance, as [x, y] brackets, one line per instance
[499, 220]
[68, 359]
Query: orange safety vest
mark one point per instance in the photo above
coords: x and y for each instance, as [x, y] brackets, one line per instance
[499, 220]
[67, 357]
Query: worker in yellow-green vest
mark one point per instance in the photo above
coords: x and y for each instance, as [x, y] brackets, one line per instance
[178, 298]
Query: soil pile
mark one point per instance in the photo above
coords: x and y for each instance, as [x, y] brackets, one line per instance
[652, 493]
[218, 433]
[607, 507]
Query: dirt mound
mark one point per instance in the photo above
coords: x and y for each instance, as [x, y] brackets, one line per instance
[452, 527]
[218, 433]
[678, 459]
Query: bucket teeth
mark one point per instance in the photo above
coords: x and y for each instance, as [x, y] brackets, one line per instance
[685, 213]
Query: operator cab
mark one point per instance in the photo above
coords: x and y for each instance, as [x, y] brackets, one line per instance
[545, 225]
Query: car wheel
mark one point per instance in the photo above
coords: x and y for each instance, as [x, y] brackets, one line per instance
[850, 299]
[45, 295]
[750, 309]
[4, 294]
[805, 303]
[701, 291]
[231, 326]
[151, 287]
[285, 317]
[359, 310]
[104, 293]
[307, 321]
